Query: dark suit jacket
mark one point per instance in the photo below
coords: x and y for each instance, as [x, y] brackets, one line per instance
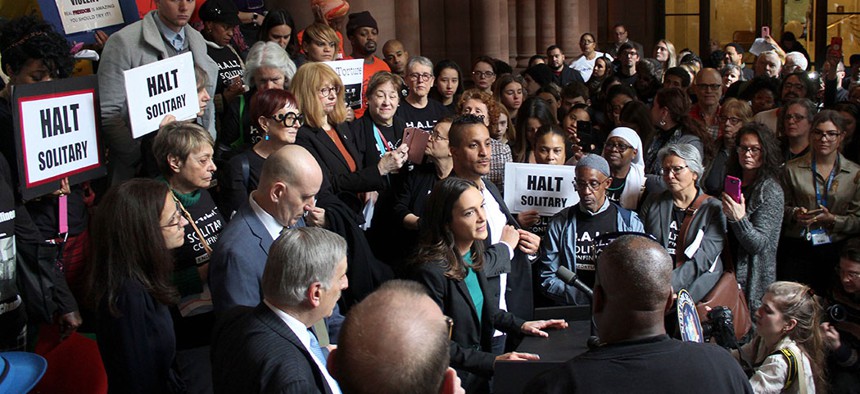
[335, 170]
[254, 351]
[497, 260]
[471, 341]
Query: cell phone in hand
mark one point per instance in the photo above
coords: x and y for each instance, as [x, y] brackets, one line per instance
[416, 139]
[733, 188]
[765, 31]
[835, 48]
[585, 133]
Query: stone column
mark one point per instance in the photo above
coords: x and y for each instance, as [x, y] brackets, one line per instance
[407, 19]
[526, 26]
[568, 25]
[485, 28]
[545, 21]
[510, 29]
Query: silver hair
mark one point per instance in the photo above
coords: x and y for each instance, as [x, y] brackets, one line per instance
[799, 60]
[268, 54]
[732, 67]
[299, 258]
[419, 60]
[774, 54]
[689, 153]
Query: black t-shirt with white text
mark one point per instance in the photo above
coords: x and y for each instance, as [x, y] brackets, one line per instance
[588, 228]
[613, 193]
[675, 229]
[422, 118]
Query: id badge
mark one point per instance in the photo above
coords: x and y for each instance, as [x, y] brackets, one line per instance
[819, 237]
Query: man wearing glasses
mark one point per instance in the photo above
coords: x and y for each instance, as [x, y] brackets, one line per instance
[709, 91]
[418, 110]
[628, 55]
[794, 86]
[568, 240]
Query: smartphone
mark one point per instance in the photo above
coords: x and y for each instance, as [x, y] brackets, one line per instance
[733, 188]
[416, 139]
[835, 48]
[765, 31]
[587, 139]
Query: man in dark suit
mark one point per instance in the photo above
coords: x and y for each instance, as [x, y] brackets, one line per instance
[289, 182]
[395, 341]
[509, 248]
[632, 294]
[270, 348]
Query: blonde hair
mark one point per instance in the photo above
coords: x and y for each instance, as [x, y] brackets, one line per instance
[306, 85]
[740, 107]
[320, 32]
[796, 302]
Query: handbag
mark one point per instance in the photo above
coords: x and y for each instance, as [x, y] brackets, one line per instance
[726, 292]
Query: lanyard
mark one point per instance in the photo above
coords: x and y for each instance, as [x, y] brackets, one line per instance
[382, 144]
[822, 202]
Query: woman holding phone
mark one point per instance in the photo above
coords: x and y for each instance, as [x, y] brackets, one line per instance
[821, 205]
[752, 209]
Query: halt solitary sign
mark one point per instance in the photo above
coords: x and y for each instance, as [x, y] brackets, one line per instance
[541, 187]
[155, 90]
[56, 134]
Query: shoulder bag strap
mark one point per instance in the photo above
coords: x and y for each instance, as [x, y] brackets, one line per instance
[190, 219]
[689, 213]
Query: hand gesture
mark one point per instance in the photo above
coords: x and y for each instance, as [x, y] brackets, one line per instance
[529, 242]
[393, 160]
[831, 336]
[517, 356]
[528, 218]
[315, 216]
[535, 327]
[510, 236]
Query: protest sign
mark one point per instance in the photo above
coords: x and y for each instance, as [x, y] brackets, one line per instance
[541, 187]
[78, 19]
[158, 89]
[351, 73]
[56, 134]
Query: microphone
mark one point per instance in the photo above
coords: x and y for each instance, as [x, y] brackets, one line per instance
[569, 277]
[593, 342]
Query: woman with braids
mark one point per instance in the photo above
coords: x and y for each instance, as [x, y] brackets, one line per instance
[448, 263]
[787, 353]
[137, 226]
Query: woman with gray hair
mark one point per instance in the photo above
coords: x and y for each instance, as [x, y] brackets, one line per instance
[687, 222]
[267, 67]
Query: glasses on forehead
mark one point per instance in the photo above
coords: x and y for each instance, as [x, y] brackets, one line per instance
[176, 218]
[289, 119]
[327, 91]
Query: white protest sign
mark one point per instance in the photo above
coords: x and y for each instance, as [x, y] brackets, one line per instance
[351, 73]
[158, 89]
[542, 187]
[58, 135]
[86, 15]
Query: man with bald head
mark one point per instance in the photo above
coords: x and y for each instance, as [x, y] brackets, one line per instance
[285, 198]
[395, 341]
[395, 56]
[709, 91]
[632, 295]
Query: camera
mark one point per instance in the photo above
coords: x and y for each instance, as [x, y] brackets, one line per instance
[720, 327]
[836, 313]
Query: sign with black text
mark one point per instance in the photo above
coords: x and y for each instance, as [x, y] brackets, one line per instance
[79, 19]
[351, 73]
[56, 134]
[157, 89]
[542, 187]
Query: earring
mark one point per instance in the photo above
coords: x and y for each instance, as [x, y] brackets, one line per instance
[266, 137]
[662, 122]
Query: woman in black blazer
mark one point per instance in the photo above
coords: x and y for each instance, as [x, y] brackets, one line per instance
[326, 136]
[448, 263]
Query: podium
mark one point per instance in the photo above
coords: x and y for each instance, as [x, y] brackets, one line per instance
[562, 345]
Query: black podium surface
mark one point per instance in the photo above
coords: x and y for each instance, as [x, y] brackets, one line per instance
[562, 345]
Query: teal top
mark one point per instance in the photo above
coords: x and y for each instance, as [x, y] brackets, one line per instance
[187, 200]
[473, 286]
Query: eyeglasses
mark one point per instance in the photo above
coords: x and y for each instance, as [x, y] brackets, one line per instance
[731, 119]
[176, 218]
[631, 54]
[676, 170]
[579, 185]
[484, 74]
[435, 136]
[327, 91]
[450, 323]
[423, 77]
[794, 117]
[828, 135]
[748, 149]
[620, 148]
[794, 86]
[289, 119]
[715, 86]
[853, 275]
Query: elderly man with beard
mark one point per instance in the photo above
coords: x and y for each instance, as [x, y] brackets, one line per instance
[794, 86]
[362, 32]
[568, 240]
[417, 109]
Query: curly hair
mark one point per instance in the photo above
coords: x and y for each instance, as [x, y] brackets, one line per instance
[484, 97]
[29, 38]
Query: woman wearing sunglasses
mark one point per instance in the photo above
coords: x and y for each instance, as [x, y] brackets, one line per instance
[821, 206]
[694, 242]
[276, 114]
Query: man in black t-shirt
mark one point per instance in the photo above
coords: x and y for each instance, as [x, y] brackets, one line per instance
[632, 294]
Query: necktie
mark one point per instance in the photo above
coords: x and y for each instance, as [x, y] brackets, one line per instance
[315, 348]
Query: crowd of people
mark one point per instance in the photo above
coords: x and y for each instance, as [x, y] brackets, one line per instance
[287, 239]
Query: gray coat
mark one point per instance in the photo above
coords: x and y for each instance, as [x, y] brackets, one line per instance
[138, 44]
[700, 273]
[758, 235]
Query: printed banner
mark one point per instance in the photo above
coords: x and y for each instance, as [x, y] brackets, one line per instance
[541, 187]
[56, 132]
[84, 15]
[351, 73]
[158, 89]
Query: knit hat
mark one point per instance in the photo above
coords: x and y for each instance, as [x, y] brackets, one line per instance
[629, 135]
[595, 162]
[223, 11]
[359, 20]
[331, 9]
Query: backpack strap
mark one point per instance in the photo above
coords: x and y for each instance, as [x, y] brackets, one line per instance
[689, 213]
[793, 367]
